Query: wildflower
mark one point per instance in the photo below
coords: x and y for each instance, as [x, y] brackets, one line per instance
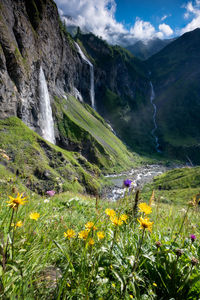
[19, 224]
[127, 183]
[46, 200]
[116, 221]
[124, 218]
[110, 212]
[131, 296]
[179, 252]
[155, 284]
[69, 234]
[113, 284]
[51, 193]
[34, 216]
[91, 242]
[15, 202]
[158, 244]
[193, 237]
[90, 225]
[83, 234]
[194, 261]
[100, 235]
[145, 223]
[145, 208]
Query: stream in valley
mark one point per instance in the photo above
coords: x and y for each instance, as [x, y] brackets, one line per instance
[139, 176]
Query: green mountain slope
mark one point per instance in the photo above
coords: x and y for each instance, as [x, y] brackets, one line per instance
[176, 77]
[144, 50]
[122, 90]
[175, 186]
[40, 165]
[84, 130]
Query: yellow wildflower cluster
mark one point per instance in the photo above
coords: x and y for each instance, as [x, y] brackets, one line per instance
[110, 212]
[101, 235]
[70, 234]
[34, 216]
[83, 234]
[145, 223]
[117, 221]
[15, 202]
[145, 208]
[90, 225]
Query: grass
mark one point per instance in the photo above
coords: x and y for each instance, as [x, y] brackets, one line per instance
[175, 186]
[126, 263]
[79, 123]
[42, 166]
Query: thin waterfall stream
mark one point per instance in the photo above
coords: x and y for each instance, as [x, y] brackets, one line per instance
[152, 97]
[92, 94]
[45, 117]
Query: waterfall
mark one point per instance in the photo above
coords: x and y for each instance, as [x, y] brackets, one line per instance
[45, 117]
[154, 118]
[92, 95]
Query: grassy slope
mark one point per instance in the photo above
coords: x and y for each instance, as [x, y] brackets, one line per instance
[175, 74]
[42, 166]
[80, 124]
[175, 186]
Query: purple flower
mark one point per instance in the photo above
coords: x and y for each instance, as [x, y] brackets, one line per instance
[193, 237]
[127, 183]
[51, 193]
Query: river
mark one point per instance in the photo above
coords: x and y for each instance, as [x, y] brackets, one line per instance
[139, 176]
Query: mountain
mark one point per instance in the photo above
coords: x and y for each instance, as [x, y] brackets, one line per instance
[175, 73]
[122, 90]
[144, 50]
[41, 75]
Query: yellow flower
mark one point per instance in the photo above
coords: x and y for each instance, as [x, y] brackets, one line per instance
[19, 224]
[113, 284]
[83, 234]
[69, 234]
[15, 202]
[110, 212]
[34, 216]
[131, 296]
[100, 235]
[145, 208]
[145, 223]
[154, 284]
[116, 221]
[90, 225]
[91, 242]
[124, 218]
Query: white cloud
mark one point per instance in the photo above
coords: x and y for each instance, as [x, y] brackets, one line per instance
[98, 16]
[166, 29]
[143, 30]
[192, 10]
[165, 17]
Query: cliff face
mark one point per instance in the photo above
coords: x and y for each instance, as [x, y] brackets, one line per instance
[122, 90]
[31, 36]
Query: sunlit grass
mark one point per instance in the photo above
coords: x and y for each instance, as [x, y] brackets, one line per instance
[71, 246]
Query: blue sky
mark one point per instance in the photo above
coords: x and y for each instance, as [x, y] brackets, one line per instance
[151, 10]
[126, 21]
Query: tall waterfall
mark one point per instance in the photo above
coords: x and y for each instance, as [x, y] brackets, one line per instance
[45, 118]
[154, 118]
[92, 94]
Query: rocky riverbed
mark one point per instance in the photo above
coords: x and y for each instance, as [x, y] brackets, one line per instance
[139, 176]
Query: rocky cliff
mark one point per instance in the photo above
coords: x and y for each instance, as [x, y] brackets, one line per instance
[32, 35]
[122, 90]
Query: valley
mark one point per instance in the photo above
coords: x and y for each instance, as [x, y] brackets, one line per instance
[78, 117]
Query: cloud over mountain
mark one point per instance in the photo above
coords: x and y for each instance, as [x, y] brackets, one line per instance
[98, 16]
